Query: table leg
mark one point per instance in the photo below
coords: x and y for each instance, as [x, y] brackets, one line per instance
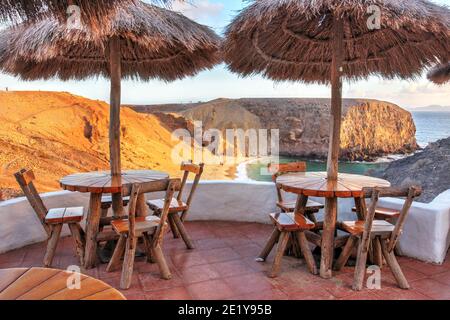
[117, 205]
[141, 206]
[92, 228]
[361, 208]
[329, 227]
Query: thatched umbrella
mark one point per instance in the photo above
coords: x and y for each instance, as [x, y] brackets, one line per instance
[327, 41]
[138, 41]
[29, 9]
[440, 74]
[13, 10]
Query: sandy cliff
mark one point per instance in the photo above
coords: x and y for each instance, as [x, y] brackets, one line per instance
[58, 134]
[370, 128]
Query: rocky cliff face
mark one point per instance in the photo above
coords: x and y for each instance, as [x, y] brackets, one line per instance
[56, 134]
[429, 169]
[370, 128]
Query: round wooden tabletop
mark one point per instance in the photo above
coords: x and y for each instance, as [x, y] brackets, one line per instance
[102, 182]
[316, 184]
[51, 284]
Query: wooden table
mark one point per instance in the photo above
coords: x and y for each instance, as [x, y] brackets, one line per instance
[316, 184]
[98, 183]
[51, 284]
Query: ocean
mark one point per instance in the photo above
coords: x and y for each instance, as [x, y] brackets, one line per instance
[431, 127]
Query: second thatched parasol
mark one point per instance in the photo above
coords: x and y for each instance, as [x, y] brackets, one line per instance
[136, 41]
[440, 74]
[327, 41]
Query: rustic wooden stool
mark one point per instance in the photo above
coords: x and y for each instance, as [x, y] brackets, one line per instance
[287, 225]
[177, 205]
[364, 232]
[151, 229]
[53, 220]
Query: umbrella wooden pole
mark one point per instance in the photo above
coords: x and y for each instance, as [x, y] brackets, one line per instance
[331, 205]
[114, 122]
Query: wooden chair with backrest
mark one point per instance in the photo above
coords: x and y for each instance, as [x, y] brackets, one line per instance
[277, 170]
[106, 204]
[151, 229]
[52, 220]
[365, 232]
[179, 209]
[289, 227]
[382, 213]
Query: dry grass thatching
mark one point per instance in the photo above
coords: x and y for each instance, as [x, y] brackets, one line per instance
[292, 39]
[13, 10]
[155, 43]
[28, 9]
[440, 74]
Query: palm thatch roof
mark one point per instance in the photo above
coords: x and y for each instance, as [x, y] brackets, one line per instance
[26, 9]
[155, 43]
[440, 74]
[292, 39]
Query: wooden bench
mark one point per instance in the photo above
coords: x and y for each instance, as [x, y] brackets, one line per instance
[53, 220]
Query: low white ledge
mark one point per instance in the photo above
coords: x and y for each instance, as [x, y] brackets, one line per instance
[426, 233]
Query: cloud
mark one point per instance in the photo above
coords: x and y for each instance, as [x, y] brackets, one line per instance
[199, 10]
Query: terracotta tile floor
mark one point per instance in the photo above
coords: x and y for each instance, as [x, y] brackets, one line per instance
[222, 267]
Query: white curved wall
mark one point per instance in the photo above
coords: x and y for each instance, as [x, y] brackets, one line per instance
[214, 200]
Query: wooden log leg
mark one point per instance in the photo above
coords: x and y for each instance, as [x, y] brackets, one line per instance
[361, 208]
[141, 206]
[103, 216]
[370, 256]
[307, 254]
[184, 235]
[117, 205]
[282, 243]
[92, 227]
[394, 266]
[78, 241]
[377, 252]
[311, 216]
[162, 264]
[115, 261]
[148, 247]
[173, 226]
[52, 243]
[297, 248]
[269, 246]
[128, 263]
[346, 253]
[329, 226]
[360, 268]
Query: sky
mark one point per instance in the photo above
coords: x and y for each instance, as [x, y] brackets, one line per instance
[220, 83]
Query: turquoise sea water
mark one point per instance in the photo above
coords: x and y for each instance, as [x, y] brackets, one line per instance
[431, 126]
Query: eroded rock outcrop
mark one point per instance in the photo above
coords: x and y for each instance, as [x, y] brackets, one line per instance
[370, 128]
[429, 169]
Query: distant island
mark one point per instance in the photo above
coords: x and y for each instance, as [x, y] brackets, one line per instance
[433, 108]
